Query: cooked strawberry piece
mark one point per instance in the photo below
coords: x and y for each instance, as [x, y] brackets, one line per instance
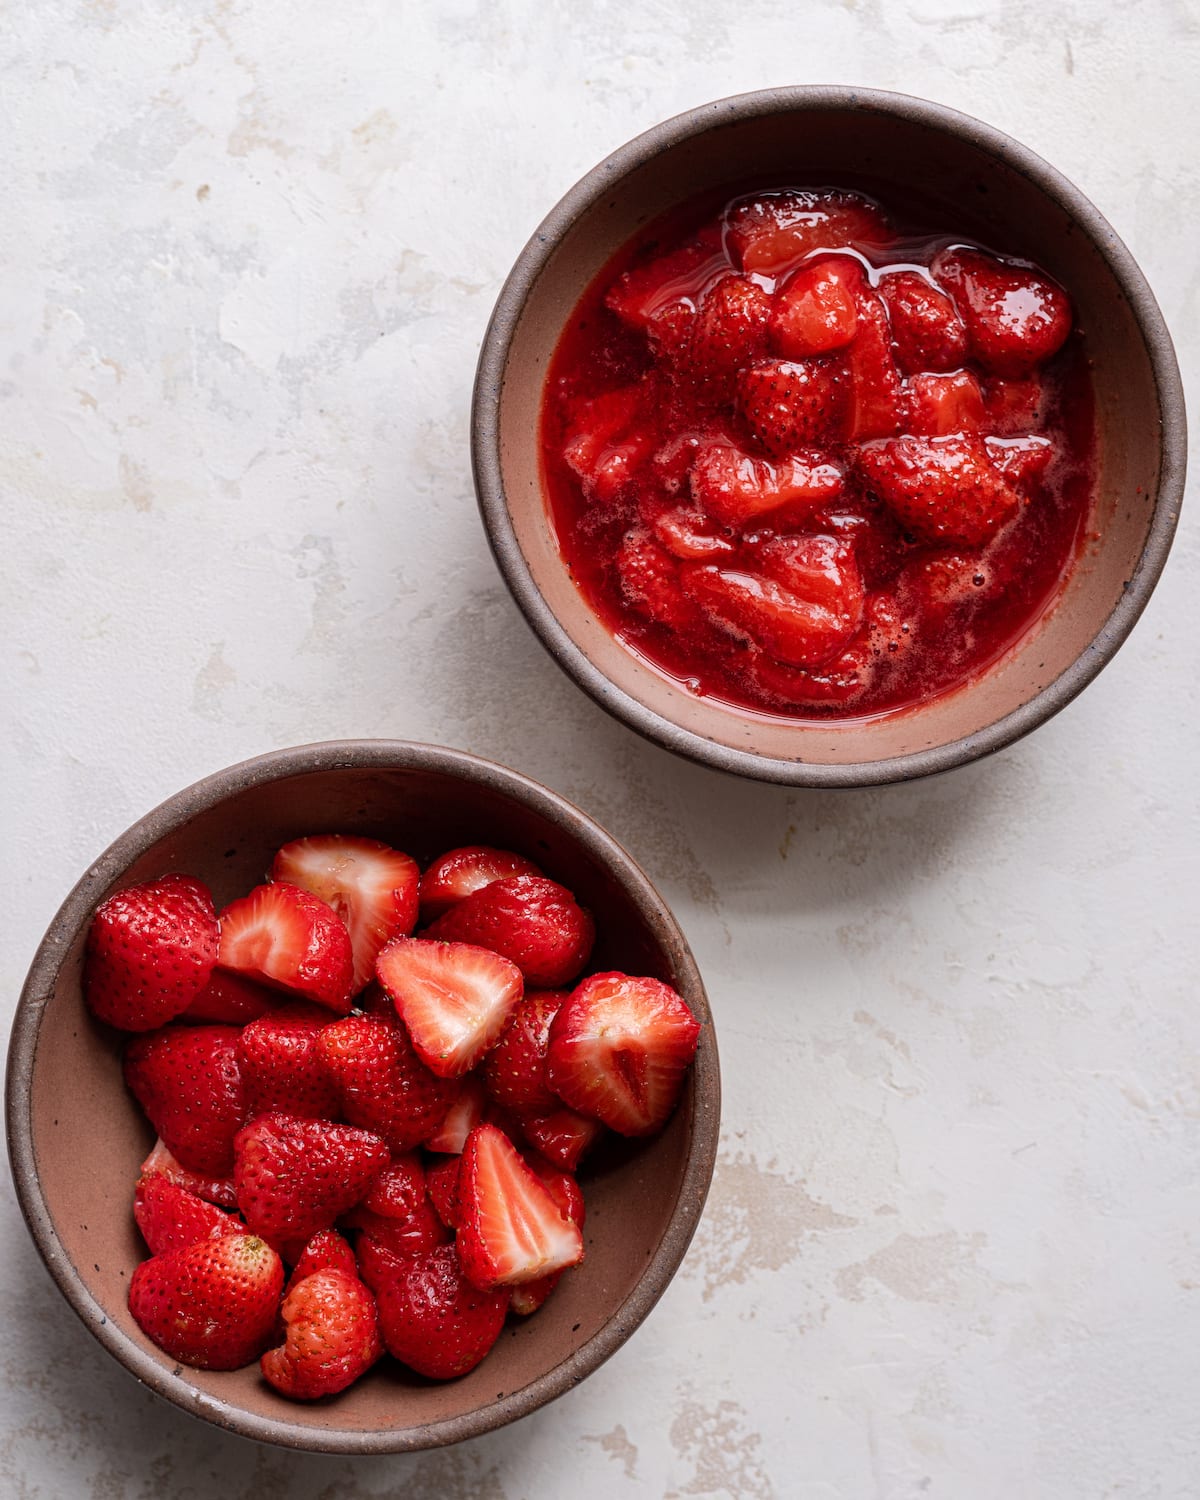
[875, 405]
[282, 1066]
[942, 404]
[398, 1190]
[927, 332]
[535, 922]
[942, 489]
[294, 1177]
[382, 1084]
[607, 446]
[793, 404]
[434, 1320]
[1013, 404]
[232, 999]
[690, 535]
[454, 998]
[160, 1163]
[770, 232]
[211, 1305]
[171, 1218]
[326, 1251]
[442, 1183]
[736, 489]
[648, 289]
[463, 1116]
[941, 581]
[331, 1337]
[650, 581]
[371, 886]
[187, 1081]
[563, 1136]
[730, 329]
[1015, 316]
[511, 1229]
[619, 1047]
[151, 949]
[514, 1071]
[460, 872]
[1020, 459]
[816, 309]
[292, 940]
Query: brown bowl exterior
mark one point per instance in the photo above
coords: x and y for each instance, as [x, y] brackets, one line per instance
[988, 186]
[76, 1137]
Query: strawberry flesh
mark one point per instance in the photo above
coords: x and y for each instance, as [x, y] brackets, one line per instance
[290, 939]
[534, 922]
[459, 872]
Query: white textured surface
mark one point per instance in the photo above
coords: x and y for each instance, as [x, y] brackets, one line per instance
[249, 248]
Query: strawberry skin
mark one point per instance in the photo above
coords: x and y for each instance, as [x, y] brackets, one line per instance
[332, 1337]
[382, 1085]
[729, 331]
[562, 1136]
[453, 998]
[737, 489]
[434, 1320]
[510, 1228]
[150, 951]
[1015, 317]
[459, 872]
[422, 1230]
[649, 580]
[160, 1163]
[372, 887]
[514, 1071]
[326, 1251]
[791, 404]
[770, 232]
[815, 310]
[282, 1065]
[943, 489]
[187, 1081]
[535, 922]
[619, 1048]
[927, 332]
[441, 1180]
[211, 1305]
[171, 1218]
[397, 1191]
[232, 1000]
[290, 939]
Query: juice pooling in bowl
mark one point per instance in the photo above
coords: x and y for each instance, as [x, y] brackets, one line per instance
[808, 459]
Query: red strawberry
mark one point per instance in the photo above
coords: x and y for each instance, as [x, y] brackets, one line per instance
[160, 1163]
[793, 404]
[294, 1177]
[943, 580]
[649, 580]
[692, 536]
[562, 1136]
[211, 1305]
[282, 1065]
[232, 999]
[927, 332]
[382, 1083]
[290, 939]
[461, 871]
[465, 1113]
[326, 1251]
[332, 1337]
[942, 404]
[1015, 316]
[816, 311]
[737, 489]
[371, 886]
[186, 1079]
[608, 444]
[150, 951]
[535, 922]
[398, 1190]
[377, 1265]
[442, 1182]
[729, 330]
[942, 489]
[770, 232]
[510, 1229]
[454, 998]
[1013, 405]
[171, 1218]
[875, 405]
[434, 1320]
[514, 1071]
[1020, 459]
[422, 1230]
[562, 1187]
[619, 1047]
[648, 289]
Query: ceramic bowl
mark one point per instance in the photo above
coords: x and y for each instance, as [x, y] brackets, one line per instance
[987, 186]
[76, 1137]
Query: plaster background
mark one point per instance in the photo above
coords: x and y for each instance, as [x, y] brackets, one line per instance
[249, 250]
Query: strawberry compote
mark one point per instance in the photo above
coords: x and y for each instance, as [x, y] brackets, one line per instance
[808, 460]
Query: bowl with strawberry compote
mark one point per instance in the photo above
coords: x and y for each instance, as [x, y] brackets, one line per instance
[363, 1097]
[828, 437]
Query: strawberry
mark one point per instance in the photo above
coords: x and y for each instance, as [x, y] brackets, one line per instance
[736, 489]
[562, 1187]
[1015, 316]
[331, 1337]
[326, 1251]
[442, 1182]
[212, 1304]
[290, 939]
[383, 1085]
[434, 1320]
[692, 536]
[927, 332]
[422, 1230]
[1013, 405]
[232, 999]
[510, 1229]
[942, 404]
[170, 1217]
[562, 1136]
[649, 288]
[535, 922]
[151, 949]
[941, 489]
[398, 1190]
[875, 405]
[160, 1163]
[282, 1065]
[371, 886]
[1020, 459]
[461, 871]
[294, 1177]
[730, 329]
[942, 580]
[377, 1265]
[792, 404]
[816, 310]
[649, 581]
[607, 445]
[514, 1071]
[454, 998]
[619, 1047]
[770, 232]
[187, 1081]
[464, 1114]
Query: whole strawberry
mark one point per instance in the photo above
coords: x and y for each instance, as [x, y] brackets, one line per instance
[326, 1251]
[534, 922]
[187, 1080]
[382, 1085]
[332, 1337]
[434, 1320]
[282, 1066]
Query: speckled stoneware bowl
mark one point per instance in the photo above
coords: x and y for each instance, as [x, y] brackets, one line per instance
[76, 1137]
[997, 191]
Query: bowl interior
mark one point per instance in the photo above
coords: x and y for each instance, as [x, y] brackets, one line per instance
[964, 184]
[88, 1135]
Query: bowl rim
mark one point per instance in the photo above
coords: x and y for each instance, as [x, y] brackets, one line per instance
[359, 754]
[493, 507]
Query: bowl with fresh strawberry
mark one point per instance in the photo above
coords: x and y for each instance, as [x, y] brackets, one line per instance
[363, 1097]
[828, 436]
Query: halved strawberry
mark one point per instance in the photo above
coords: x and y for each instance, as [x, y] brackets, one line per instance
[770, 232]
[927, 332]
[514, 1071]
[652, 286]
[942, 489]
[232, 999]
[282, 1066]
[730, 329]
[433, 1319]
[170, 1217]
[292, 940]
[371, 886]
[326, 1251]
[331, 1337]
[816, 309]
[535, 922]
[511, 1230]
[942, 404]
[382, 1083]
[161, 1163]
[187, 1080]
[619, 1048]
[1016, 317]
[459, 872]
[792, 404]
[562, 1136]
[736, 488]
[525, 1299]
[463, 1116]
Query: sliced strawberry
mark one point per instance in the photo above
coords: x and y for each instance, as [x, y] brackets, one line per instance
[1020, 459]
[737, 489]
[619, 1048]
[382, 1084]
[514, 1071]
[562, 1136]
[942, 404]
[371, 886]
[647, 290]
[292, 940]
[170, 1217]
[608, 445]
[942, 489]
[875, 406]
[434, 1320]
[511, 1230]
[326, 1251]
[535, 922]
[771, 232]
[398, 1190]
[465, 1113]
[454, 998]
[282, 1065]
[529, 1296]
[151, 949]
[793, 404]
[187, 1080]
[1016, 317]
[442, 1183]
[160, 1163]
[729, 331]
[927, 332]
[687, 533]
[460, 872]
[232, 999]
[331, 1337]
[649, 581]
[816, 309]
